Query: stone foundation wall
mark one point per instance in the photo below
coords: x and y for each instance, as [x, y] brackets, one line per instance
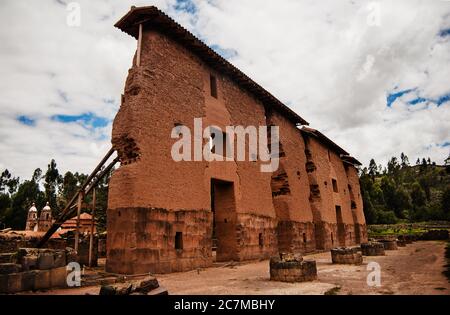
[296, 237]
[249, 229]
[142, 240]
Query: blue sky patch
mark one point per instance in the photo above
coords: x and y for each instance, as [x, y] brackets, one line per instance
[224, 52]
[442, 99]
[445, 144]
[185, 5]
[87, 119]
[417, 101]
[26, 120]
[444, 33]
[391, 97]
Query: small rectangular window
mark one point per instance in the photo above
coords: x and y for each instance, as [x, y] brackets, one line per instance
[335, 186]
[219, 143]
[304, 237]
[260, 240]
[213, 85]
[179, 240]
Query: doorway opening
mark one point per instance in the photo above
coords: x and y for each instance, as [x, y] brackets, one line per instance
[223, 206]
[340, 226]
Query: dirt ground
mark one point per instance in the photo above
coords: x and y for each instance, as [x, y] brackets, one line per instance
[414, 269]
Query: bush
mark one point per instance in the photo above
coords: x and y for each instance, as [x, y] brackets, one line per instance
[386, 217]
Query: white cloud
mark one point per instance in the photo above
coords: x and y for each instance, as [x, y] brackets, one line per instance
[321, 57]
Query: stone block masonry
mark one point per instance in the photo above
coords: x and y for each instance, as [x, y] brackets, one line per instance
[292, 269]
[372, 249]
[34, 269]
[168, 216]
[389, 244]
[346, 256]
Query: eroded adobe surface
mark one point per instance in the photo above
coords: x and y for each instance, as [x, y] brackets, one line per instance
[166, 216]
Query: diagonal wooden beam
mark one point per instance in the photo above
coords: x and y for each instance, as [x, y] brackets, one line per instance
[68, 210]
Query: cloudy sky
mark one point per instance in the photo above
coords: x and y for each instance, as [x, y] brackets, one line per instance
[372, 75]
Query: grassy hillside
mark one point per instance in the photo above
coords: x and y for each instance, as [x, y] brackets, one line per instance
[404, 193]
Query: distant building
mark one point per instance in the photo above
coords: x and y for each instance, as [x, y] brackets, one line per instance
[32, 219]
[85, 224]
[45, 219]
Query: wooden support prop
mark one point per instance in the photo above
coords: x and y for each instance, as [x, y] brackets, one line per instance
[77, 231]
[91, 236]
[68, 210]
[139, 47]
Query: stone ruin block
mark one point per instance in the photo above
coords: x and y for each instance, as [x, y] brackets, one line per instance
[34, 269]
[147, 286]
[7, 258]
[435, 235]
[41, 259]
[408, 239]
[11, 283]
[42, 279]
[401, 243]
[346, 255]
[28, 280]
[292, 268]
[389, 244]
[58, 277]
[372, 249]
[9, 268]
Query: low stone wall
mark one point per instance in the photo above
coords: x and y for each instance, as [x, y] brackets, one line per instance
[292, 268]
[407, 239]
[401, 243]
[372, 249]
[346, 255]
[434, 235]
[389, 244]
[34, 269]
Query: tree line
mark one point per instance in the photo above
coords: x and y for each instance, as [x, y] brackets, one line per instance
[397, 192]
[17, 196]
[403, 192]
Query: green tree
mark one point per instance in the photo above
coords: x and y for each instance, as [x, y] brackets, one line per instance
[445, 202]
[8, 183]
[418, 197]
[51, 181]
[27, 193]
[404, 159]
[373, 169]
[393, 167]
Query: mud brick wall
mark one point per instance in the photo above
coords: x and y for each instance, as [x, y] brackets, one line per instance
[255, 214]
